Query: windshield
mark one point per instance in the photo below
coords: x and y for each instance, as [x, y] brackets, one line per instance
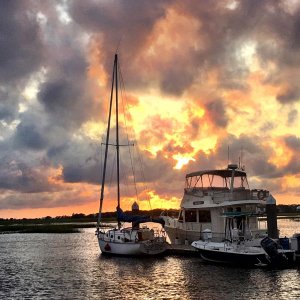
[215, 181]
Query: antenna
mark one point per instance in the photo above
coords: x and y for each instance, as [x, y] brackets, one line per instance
[241, 156]
[228, 155]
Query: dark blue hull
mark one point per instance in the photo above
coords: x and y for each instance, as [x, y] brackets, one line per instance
[234, 258]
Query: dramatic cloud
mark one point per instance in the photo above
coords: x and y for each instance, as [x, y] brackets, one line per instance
[200, 77]
[21, 47]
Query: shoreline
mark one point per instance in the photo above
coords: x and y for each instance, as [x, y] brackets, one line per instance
[74, 226]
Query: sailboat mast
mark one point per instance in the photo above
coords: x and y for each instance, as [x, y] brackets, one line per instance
[117, 135]
[106, 145]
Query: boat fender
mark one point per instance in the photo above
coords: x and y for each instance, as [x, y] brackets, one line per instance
[107, 247]
[261, 195]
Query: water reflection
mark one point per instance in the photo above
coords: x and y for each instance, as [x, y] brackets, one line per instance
[68, 266]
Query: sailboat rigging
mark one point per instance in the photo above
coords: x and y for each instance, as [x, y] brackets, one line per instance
[130, 240]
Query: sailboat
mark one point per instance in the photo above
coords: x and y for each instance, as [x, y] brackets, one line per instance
[138, 239]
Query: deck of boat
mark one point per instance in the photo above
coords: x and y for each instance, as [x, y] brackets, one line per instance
[184, 250]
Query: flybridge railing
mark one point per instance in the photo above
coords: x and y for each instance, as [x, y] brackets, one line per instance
[228, 196]
[220, 195]
[236, 196]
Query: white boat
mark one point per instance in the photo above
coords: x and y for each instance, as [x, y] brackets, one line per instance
[133, 240]
[231, 253]
[208, 196]
[236, 252]
[235, 248]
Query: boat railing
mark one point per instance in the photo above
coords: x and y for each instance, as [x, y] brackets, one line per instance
[221, 237]
[224, 194]
[192, 226]
[239, 194]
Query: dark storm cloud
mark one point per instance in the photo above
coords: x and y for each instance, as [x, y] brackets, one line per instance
[216, 110]
[16, 175]
[293, 142]
[115, 19]
[30, 136]
[293, 166]
[65, 92]
[289, 96]
[248, 151]
[222, 33]
[126, 25]
[85, 172]
[20, 41]
[79, 159]
[81, 162]
[56, 151]
[21, 54]
[174, 81]
[9, 100]
[255, 156]
[292, 116]
[64, 100]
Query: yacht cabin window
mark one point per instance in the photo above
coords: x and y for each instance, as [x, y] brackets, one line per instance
[191, 216]
[204, 216]
[180, 217]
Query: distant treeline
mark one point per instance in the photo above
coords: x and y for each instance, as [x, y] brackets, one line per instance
[80, 217]
[111, 216]
[283, 209]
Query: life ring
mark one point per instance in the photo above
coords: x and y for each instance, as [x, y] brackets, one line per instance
[261, 194]
[107, 247]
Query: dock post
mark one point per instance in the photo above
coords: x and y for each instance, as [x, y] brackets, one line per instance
[271, 211]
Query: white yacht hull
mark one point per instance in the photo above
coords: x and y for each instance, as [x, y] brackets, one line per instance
[180, 236]
[183, 236]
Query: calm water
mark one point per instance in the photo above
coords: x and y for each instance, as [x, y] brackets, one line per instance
[68, 266]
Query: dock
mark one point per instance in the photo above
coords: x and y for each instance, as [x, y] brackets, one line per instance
[184, 250]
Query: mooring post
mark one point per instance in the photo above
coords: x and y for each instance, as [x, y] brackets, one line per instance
[271, 211]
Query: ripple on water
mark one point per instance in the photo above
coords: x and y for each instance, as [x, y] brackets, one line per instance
[68, 266]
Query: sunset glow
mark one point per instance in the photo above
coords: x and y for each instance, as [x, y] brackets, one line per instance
[203, 85]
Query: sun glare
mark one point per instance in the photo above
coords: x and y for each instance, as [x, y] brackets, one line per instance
[181, 160]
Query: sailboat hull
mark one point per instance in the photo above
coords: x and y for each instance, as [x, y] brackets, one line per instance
[114, 248]
[146, 248]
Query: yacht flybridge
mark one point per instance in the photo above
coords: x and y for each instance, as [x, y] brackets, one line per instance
[210, 196]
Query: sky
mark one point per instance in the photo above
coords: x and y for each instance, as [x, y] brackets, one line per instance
[200, 77]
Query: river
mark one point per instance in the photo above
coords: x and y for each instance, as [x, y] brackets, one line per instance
[68, 266]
